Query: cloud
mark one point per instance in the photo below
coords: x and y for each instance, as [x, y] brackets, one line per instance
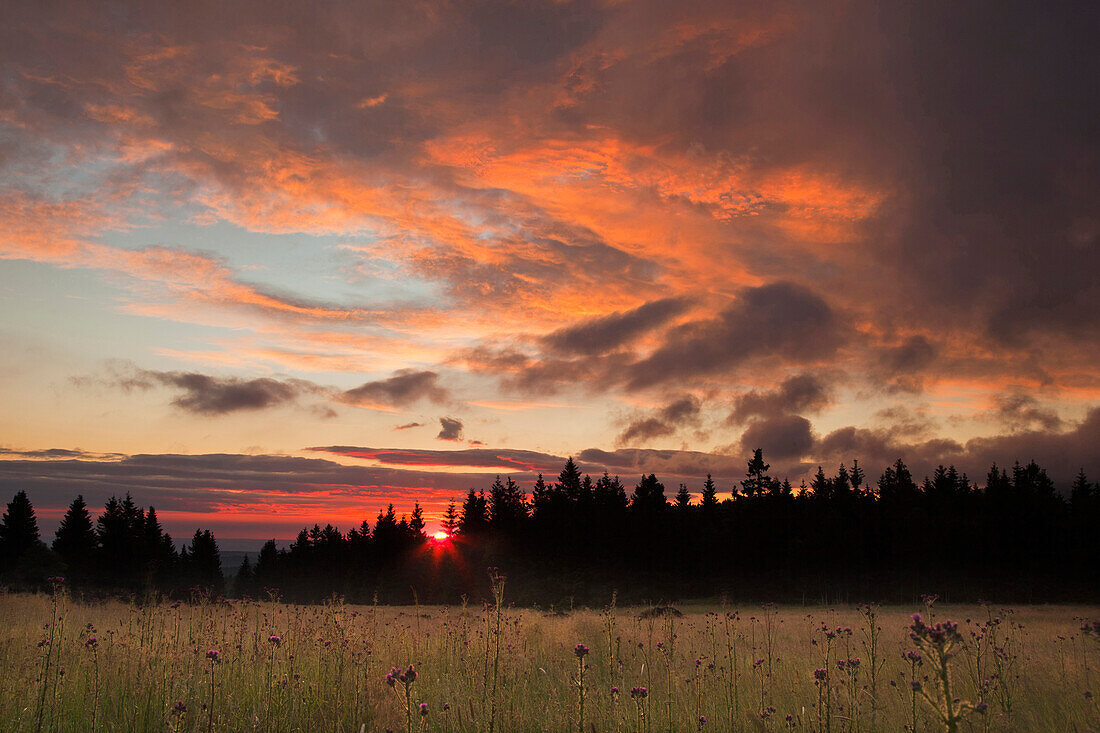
[450, 429]
[207, 395]
[608, 333]
[778, 319]
[666, 421]
[784, 437]
[502, 459]
[408, 426]
[403, 388]
[1022, 411]
[798, 393]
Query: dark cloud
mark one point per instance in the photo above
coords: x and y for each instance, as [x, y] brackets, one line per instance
[666, 421]
[784, 437]
[610, 332]
[796, 394]
[915, 354]
[450, 428]
[207, 395]
[408, 425]
[404, 387]
[1021, 411]
[778, 319]
[781, 320]
[57, 453]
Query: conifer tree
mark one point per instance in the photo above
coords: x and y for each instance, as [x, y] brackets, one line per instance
[75, 539]
[450, 518]
[18, 530]
[683, 498]
[710, 496]
[416, 524]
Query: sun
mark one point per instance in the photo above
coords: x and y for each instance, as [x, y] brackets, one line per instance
[441, 536]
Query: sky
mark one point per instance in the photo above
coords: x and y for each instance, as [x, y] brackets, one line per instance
[269, 263]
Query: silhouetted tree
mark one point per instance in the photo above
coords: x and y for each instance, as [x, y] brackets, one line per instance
[683, 498]
[475, 517]
[75, 540]
[203, 566]
[757, 481]
[18, 530]
[649, 495]
[416, 524]
[709, 500]
[450, 518]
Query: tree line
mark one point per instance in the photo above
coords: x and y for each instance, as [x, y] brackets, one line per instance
[578, 540]
[124, 550]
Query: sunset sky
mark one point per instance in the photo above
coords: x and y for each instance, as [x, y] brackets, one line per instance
[266, 264]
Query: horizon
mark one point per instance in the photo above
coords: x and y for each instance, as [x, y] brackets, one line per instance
[265, 268]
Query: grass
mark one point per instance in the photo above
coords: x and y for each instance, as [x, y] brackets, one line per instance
[150, 668]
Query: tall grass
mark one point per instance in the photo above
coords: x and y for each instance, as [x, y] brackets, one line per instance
[148, 667]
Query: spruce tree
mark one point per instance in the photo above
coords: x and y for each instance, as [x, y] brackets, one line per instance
[450, 518]
[710, 495]
[75, 539]
[416, 524]
[683, 498]
[18, 529]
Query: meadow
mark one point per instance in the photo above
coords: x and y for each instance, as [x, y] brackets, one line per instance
[266, 665]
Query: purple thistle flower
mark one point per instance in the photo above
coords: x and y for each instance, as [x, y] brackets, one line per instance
[179, 708]
[820, 675]
[212, 655]
[638, 692]
[580, 650]
[91, 642]
[702, 720]
[276, 640]
[423, 709]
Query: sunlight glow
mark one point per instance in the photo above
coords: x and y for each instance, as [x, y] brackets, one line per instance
[441, 536]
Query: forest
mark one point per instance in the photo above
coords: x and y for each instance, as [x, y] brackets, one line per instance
[577, 541]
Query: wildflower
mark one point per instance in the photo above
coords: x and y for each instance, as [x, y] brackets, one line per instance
[92, 642]
[913, 656]
[757, 663]
[820, 675]
[423, 709]
[212, 655]
[275, 640]
[916, 685]
[614, 691]
[638, 692]
[980, 708]
[580, 650]
[391, 677]
[179, 708]
[702, 720]
[446, 706]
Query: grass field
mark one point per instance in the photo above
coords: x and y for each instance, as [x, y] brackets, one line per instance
[270, 666]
